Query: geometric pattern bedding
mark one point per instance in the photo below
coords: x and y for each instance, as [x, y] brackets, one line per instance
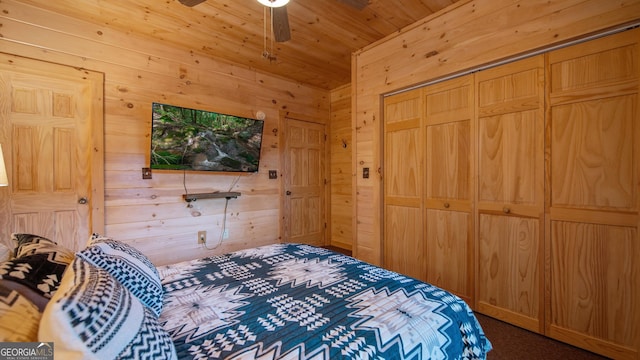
[294, 301]
[41, 272]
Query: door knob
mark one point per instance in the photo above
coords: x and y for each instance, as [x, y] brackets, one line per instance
[82, 201]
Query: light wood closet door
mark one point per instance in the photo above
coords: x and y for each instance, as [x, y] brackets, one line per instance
[511, 192]
[403, 250]
[449, 111]
[593, 246]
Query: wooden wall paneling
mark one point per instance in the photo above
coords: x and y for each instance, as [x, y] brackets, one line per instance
[510, 192]
[403, 245]
[341, 182]
[138, 71]
[593, 237]
[448, 182]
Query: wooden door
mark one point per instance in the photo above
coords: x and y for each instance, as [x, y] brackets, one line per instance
[304, 184]
[449, 111]
[593, 224]
[403, 245]
[51, 131]
[510, 192]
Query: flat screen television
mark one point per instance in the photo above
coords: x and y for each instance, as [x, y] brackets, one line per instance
[199, 140]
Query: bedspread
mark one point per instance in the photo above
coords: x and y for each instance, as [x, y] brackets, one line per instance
[294, 301]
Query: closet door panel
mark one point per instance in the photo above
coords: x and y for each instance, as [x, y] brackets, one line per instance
[593, 241]
[448, 254]
[448, 162]
[404, 155]
[510, 272]
[507, 143]
[593, 280]
[599, 135]
[449, 224]
[403, 243]
[510, 192]
[404, 248]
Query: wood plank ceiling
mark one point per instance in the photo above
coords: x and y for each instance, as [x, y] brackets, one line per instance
[324, 33]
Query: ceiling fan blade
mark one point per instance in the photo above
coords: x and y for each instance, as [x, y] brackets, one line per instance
[281, 31]
[191, 3]
[358, 4]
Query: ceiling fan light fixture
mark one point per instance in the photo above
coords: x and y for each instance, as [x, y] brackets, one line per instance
[274, 3]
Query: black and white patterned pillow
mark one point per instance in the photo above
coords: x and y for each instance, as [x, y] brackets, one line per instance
[29, 244]
[41, 272]
[93, 315]
[21, 240]
[19, 317]
[129, 266]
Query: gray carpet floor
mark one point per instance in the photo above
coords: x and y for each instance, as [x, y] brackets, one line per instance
[513, 343]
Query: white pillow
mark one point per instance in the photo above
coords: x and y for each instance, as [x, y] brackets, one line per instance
[129, 266]
[92, 316]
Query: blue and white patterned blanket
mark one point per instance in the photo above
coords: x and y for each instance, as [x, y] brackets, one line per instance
[292, 301]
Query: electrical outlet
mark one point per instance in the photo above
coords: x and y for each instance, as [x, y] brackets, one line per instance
[202, 237]
[225, 234]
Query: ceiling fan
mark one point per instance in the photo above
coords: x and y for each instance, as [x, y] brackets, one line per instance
[280, 19]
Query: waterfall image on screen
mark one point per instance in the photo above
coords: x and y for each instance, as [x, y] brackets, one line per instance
[198, 140]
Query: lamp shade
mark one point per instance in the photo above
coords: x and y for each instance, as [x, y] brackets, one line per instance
[273, 3]
[4, 181]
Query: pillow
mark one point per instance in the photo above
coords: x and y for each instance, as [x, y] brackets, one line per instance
[20, 240]
[94, 317]
[36, 297]
[19, 317]
[5, 252]
[28, 244]
[40, 272]
[129, 266]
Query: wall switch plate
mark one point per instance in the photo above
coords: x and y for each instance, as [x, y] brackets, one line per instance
[273, 174]
[202, 237]
[146, 173]
[365, 173]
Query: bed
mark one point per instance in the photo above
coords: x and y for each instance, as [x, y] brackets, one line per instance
[280, 301]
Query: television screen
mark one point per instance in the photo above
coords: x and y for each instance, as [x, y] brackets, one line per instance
[189, 139]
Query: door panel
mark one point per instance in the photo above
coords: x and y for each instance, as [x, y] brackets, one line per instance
[448, 163]
[593, 240]
[52, 128]
[511, 192]
[510, 272]
[304, 183]
[600, 134]
[449, 229]
[448, 250]
[403, 243]
[506, 142]
[593, 281]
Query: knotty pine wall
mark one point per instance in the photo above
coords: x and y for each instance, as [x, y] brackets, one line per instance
[466, 35]
[341, 180]
[150, 214]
